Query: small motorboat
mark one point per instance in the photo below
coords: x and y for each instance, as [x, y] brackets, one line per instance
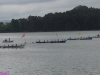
[7, 41]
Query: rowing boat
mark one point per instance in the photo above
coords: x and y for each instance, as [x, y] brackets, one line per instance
[12, 46]
[82, 38]
[62, 41]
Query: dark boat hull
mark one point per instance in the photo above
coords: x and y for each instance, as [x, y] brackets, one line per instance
[96, 37]
[90, 38]
[20, 46]
[7, 41]
[52, 42]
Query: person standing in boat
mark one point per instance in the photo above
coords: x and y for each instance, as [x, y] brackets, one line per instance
[5, 39]
[9, 39]
[98, 35]
[39, 40]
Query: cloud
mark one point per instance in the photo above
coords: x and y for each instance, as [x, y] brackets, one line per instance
[89, 3]
[15, 9]
[24, 10]
[3, 2]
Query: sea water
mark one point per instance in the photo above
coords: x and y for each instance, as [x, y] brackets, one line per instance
[75, 57]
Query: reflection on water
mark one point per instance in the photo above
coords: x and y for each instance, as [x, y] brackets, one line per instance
[77, 57]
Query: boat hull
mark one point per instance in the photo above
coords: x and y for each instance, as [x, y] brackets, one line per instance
[12, 46]
[7, 41]
[90, 38]
[52, 42]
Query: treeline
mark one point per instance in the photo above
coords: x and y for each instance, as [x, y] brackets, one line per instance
[79, 18]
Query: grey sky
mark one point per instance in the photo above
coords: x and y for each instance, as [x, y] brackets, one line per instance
[15, 9]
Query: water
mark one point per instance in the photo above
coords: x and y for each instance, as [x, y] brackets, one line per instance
[75, 57]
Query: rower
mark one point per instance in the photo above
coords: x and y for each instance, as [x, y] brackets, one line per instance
[47, 40]
[39, 40]
[4, 46]
[8, 45]
[98, 35]
[12, 45]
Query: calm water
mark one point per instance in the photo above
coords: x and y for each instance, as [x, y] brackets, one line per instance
[75, 57]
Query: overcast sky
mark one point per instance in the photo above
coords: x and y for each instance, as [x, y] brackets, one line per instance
[15, 9]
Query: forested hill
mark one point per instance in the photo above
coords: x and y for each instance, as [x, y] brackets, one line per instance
[79, 18]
